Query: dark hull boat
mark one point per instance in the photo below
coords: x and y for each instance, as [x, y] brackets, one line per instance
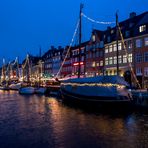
[101, 89]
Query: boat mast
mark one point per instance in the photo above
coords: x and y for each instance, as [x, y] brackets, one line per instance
[117, 38]
[80, 36]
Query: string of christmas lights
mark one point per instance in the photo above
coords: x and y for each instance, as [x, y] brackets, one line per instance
[74, 34]
[97, 22]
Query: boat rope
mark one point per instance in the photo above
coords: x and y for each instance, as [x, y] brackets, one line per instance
[26, 61]
[74, 34]
[97, 22]
[126, 52]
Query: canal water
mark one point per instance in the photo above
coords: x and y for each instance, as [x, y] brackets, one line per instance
[46, 122]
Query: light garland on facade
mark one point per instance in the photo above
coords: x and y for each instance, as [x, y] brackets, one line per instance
[97, 22]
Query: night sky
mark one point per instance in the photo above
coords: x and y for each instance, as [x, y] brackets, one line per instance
[25, 25]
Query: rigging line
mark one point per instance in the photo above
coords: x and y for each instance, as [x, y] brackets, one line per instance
[97, 22]
[74, 34]
[126, 52]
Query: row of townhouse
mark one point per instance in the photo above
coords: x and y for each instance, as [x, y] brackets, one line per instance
[98, 56]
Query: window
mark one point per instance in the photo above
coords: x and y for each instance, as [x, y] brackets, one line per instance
[97, 53]
[106, 61]
[120, 59]
[142, 28]
[112, 31]
[110, 48]
[130, 58]
[124, 59]
[106, 49]
[93, 38]
[146, 71]
[114, 47]
[138, 71]
[108, 39]
[146, 57]
[129, 44]
[138, 57]
[93, 64]
[138, 43]
[101, 44]
[146, 41]
[97, 45]
[97, 64]
[127, 33]
[110, 60]
[119, 46]
[87, 48]
[101, 53]
[101, 63]
[115, 60]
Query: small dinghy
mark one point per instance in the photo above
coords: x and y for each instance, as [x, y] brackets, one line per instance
[27, 90]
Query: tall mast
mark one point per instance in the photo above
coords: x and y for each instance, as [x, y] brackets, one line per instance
[117, 38]
[80, 36]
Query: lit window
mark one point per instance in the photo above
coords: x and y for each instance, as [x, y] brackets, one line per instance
[138, 57]
[106, 49]
[93, 38]
[106, 61]
[110, 60]
[101, 63]
[115, 60]
[112, 31]
[120, 59]
[146, 57]
[146, 41]
[130, 58]
[142, 28]
[93, 64]
[138, 43]
[129, 44]
[119, 46]
[110, 48]
[114, 47]
[124, 59]
[146, 71]
[138, 71]
[98, 64]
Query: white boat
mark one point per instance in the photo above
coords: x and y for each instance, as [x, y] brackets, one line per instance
[40, 90]
[15, 86]
[96, 89]
[27, 90]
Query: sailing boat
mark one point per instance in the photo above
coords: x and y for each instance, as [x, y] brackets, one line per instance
[96, 89]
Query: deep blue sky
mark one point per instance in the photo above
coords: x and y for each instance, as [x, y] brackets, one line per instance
[27, 24]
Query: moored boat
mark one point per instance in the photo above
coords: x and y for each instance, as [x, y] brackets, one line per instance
[40, 90]
[96, 89]
[27, 90]
[15, 86]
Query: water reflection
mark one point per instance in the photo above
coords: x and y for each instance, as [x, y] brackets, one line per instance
[39, 121]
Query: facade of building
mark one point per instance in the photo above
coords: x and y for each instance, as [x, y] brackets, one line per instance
[135, 32]
[94, 55]
[77, 59]
[66, 70]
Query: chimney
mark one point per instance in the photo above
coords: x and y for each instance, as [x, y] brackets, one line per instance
[52, 47]
[59, 47]
[132, 14]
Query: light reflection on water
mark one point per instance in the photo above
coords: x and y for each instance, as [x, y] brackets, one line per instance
[40, 121]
